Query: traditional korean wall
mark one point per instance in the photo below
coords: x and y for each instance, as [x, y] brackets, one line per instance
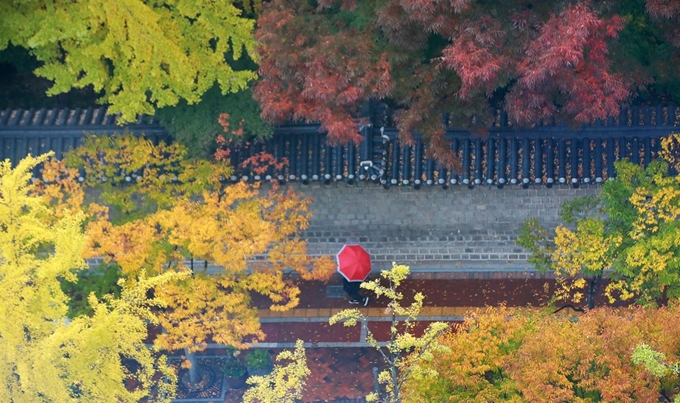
[430, 227]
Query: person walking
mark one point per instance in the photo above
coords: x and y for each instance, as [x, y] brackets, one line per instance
[352, 289]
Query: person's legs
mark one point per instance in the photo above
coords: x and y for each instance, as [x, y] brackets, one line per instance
[352, 289]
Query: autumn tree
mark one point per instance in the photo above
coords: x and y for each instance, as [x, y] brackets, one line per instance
[536, 60]
[138, 54]
[474, 366]
[285, 383]
[196, 126]
[656, 363]
[100, 281]
[170, 210]
[588, 359]
[668, 14]
[630, 228]
[521, 355]
[404, 351]
[46, 356]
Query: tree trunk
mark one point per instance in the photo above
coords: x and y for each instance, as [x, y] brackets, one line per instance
[194, 377]
[593, 290]
[395, 379]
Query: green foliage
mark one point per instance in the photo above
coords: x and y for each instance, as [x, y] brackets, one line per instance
[654, 361]
[133, 174]
[643, 50]
[102, 280]
[234, 368]
[140, 54]
[630, 228]
[258, 359]
[536, 239]
[196, 126]
[572, 209]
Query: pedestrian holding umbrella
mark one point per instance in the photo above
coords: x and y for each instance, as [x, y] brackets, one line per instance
[354, 264]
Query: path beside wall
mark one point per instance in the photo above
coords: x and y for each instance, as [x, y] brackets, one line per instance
[431, 228]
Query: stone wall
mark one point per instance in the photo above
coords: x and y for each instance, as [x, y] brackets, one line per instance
[431, 227]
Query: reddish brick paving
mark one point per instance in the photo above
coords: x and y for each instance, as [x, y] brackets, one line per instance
[344, 374]
[458, 292]
[312, 332]
[336, 374]
[289, 332]
[381, 330]
[340, 373]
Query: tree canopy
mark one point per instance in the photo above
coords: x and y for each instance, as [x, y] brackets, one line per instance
[166, 210]
[235, 116]
[320, 61]
[138, 54]
[48, 357]
[285, 383]
[575, 60]
[630, 229]
[514, 355]
[404, 351]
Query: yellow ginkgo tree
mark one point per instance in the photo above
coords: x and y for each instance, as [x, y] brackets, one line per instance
[138, 54]
[285, 383]
[47, 357]
[404, 351]
[172, 209]
[628, 233]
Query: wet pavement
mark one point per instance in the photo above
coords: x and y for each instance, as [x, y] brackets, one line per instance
[341, 361]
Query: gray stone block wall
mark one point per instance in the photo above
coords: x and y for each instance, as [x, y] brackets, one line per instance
[431, 227]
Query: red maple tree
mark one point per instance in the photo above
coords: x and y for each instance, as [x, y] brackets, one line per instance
[667, 12]
[465, 58]
[316, 69]
[568, 60]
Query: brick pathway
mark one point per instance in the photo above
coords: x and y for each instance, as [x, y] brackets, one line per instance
[340, 360]
[337, 375]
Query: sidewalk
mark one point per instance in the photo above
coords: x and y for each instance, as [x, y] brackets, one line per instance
[341, 361]
[446, 299]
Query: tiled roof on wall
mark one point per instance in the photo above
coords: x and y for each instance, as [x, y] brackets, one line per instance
[544, 154]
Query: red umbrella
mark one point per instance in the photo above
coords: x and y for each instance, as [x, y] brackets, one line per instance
[354, 263]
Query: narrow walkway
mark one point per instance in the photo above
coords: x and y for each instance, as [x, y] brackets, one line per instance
[311, 326]
[448, 297]
[340, 360]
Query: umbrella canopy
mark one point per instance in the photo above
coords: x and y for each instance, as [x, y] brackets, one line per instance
[354, 263]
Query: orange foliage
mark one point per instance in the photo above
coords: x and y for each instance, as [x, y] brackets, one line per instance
[474, 367]
[502, 354]
[222, 153]
[224, 122]
[260, 162]
[568, 361]
[59, 186]
[229, 228]
[252, 235]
